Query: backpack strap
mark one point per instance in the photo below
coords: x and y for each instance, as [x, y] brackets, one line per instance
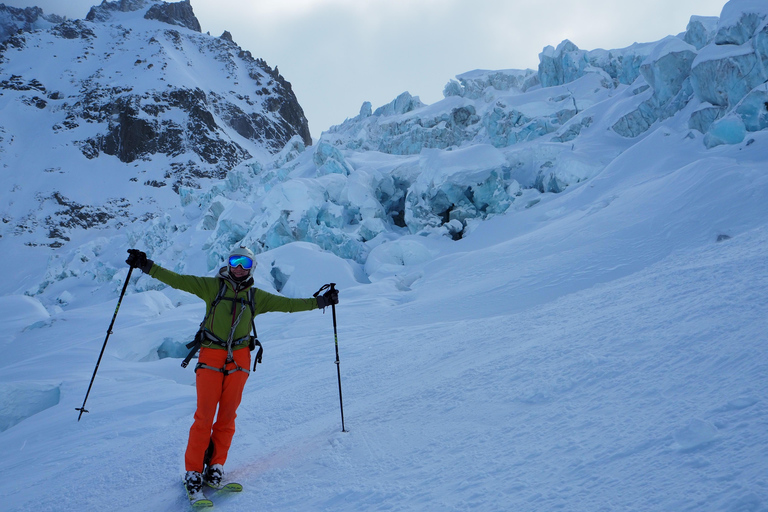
[202, 334]
[197, 342]
[223, 370]
[252, 302]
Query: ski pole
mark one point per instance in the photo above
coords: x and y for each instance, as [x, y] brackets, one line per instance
[336, 343]
[338, 365]
[109, 331]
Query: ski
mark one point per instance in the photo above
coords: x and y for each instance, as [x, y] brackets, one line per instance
[197, 500]
[225, 489]
[200, 504]
[228, 487]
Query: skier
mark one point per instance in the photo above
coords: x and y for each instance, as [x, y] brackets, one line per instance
[224, 359]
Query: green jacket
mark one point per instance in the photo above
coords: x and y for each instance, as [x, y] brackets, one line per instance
[224, 315]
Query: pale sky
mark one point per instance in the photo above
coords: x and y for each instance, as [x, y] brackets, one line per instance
[339, 53]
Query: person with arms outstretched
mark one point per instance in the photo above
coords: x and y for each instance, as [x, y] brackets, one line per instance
[224, 360]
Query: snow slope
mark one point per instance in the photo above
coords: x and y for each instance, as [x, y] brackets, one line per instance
[602, 348]
[600, 352]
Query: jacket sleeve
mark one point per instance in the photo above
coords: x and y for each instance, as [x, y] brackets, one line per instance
[266, 302]
[203, 287]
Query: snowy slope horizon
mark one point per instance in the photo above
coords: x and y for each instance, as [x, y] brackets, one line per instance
[553, 284]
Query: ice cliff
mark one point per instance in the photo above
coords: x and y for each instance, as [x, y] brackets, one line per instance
[501, 139]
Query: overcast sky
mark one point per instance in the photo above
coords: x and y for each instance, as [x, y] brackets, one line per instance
[339, 53]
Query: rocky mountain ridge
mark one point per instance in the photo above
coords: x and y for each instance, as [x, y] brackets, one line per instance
[134, 84]
[14, 20]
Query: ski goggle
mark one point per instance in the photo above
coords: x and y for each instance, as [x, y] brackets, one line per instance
[242, 261]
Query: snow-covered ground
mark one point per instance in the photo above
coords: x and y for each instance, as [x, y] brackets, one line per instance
[599, 351]
[552, 298]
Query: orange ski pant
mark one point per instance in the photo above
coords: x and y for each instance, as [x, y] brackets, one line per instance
[214, 389]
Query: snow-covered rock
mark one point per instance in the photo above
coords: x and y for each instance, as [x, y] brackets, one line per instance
[14, 20]
[137, 91]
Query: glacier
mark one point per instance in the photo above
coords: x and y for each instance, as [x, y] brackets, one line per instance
[526, 128]
[499, 141]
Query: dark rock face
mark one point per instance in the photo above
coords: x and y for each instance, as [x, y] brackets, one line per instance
[70, 215]
[132, 136]
[137, 127]
[27, 15]
[73, 30]
[17, 83]
[104, 11]
[179, 13]
[13, 19]
[292, 115]
[292, 120]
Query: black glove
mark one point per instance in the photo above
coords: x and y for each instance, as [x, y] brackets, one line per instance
[329, 298]
[138, 259]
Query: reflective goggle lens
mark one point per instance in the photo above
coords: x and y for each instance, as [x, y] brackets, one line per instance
[243, 261]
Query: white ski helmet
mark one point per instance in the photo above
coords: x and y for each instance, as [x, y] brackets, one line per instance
[242, 256]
